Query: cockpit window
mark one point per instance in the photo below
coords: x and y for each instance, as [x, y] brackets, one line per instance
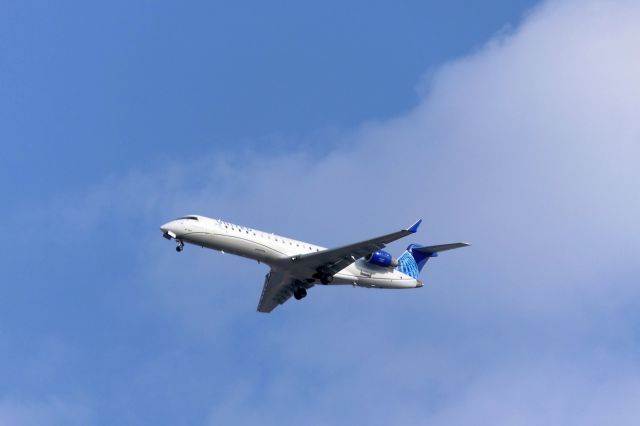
[188, 218]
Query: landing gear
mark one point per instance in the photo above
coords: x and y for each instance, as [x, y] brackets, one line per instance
[326, 279]
[180, 246]
[300, 293]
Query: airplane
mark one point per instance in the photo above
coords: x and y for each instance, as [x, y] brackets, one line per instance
[296, 266]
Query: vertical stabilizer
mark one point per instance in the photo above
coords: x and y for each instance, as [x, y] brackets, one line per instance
[413, 260]
[411, 263]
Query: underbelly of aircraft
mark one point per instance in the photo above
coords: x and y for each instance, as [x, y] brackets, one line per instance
[374, 282]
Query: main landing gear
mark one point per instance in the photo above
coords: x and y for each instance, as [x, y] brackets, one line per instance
[180, 246]
[299, 293]
[324, 278]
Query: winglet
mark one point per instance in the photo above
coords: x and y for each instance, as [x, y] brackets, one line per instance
[414, 228]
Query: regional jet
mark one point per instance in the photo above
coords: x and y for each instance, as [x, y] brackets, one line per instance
[296, 266]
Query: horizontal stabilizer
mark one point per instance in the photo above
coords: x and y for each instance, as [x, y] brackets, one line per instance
[439, 248]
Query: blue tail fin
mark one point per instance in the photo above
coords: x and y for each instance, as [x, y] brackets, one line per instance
[413, 260]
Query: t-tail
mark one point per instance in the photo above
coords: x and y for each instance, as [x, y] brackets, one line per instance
[413, 260]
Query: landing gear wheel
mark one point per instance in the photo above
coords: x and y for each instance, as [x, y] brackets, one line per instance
[300, 293]
[326, 279]
[180, 246]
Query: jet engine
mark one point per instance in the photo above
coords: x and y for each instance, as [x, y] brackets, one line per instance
[381, 258]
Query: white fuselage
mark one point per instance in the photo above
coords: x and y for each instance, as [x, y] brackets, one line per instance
[276, 251]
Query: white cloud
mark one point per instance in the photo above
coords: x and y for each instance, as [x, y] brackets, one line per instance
[528, 148]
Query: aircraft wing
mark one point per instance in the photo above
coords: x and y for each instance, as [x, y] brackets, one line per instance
[278, 288]
[333, 260]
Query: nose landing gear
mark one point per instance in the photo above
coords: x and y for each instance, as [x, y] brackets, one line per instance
[180, 246]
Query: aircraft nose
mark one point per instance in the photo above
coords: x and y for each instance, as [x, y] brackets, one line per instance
[168, 230]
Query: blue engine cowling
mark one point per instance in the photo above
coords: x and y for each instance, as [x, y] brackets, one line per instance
[381, 258]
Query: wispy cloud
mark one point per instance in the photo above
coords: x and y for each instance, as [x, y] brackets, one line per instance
[52, 411]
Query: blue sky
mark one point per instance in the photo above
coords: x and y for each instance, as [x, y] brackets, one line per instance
[509, 124]
[104, 88]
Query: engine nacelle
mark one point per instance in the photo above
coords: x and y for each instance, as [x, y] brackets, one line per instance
[381, 258]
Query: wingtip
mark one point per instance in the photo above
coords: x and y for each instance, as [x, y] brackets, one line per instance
[414, 228]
